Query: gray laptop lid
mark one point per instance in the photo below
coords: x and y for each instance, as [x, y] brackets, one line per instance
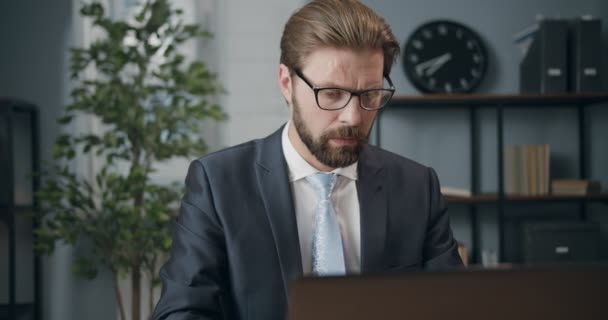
[565, 292]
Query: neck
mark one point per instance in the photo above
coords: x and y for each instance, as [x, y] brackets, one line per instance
[303, 150]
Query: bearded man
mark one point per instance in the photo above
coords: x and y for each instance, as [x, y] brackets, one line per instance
[313, 198]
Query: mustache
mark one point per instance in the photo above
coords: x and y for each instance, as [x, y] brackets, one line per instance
[346, 133]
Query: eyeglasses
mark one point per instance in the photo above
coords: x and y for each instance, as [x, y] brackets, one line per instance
[338, 98]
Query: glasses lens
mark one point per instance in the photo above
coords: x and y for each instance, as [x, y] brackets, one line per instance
[332, 98]
[375, 99]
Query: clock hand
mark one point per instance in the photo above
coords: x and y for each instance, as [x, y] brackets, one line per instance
[429, 63]
[439, 63]
[423, 65]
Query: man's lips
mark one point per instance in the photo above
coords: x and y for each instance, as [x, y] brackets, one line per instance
[344, 141]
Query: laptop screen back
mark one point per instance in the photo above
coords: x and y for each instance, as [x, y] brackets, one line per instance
[574, 292]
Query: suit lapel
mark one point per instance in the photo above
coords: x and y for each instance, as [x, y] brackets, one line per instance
[373, 211]
[273, 182]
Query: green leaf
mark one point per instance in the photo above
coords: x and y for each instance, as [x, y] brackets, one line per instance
[84, 267]
[65, 119]
[95, 10]
[57, 151]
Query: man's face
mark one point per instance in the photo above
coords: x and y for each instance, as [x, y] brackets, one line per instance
[332, 139]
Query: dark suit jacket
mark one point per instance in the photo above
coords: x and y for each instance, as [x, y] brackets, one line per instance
[236, 246]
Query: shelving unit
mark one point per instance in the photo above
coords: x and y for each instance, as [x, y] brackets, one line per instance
[474, 102]
[481, 198]
[17, 117]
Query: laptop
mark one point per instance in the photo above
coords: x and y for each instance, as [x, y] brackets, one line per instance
[549, 292]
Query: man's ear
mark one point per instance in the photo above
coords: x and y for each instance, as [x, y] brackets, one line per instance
[285, 83]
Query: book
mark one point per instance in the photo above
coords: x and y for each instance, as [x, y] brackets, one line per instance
[526, 169]
[456, 192]
[463, 252]
[546, 173]
[573, 187]
[532, 155]
[524, 173]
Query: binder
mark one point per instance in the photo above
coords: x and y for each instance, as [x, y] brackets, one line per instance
[586, 55]
[545, 67]
[561, 242]
[529, 69]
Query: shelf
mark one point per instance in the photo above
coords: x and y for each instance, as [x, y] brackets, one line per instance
[491, 198]
[21, 120]
[17, 105]
[480, 198]
[23, 311]
[493, 100]
[19, 209]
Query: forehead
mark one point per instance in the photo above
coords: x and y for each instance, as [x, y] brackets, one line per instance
[337, 64]
[328, 57]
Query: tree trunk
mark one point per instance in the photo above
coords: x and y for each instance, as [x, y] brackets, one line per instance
[121, 307]
[151, 297]
[152, 271]
[138, 202]
[136, 293]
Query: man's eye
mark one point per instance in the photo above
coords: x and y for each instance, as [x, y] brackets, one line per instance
[372, 94]
[334, 94]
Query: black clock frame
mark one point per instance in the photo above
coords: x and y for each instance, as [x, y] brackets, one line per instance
[409, 67]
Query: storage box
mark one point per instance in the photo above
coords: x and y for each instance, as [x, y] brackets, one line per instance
[561, 242]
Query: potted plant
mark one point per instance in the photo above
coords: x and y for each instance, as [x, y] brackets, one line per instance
[150, 102]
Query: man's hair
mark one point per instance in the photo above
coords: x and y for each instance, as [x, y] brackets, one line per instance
[345, 24]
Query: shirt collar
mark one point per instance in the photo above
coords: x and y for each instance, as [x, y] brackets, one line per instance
[299, 168]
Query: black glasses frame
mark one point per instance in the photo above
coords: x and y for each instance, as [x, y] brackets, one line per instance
[357, 93]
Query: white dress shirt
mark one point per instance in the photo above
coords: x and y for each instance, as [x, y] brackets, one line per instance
[344, 198]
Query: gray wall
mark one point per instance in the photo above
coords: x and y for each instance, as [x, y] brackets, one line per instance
[440, 137]
[33, 63]
[35, 36]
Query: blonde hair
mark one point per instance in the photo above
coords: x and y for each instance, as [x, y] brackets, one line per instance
[337, 24]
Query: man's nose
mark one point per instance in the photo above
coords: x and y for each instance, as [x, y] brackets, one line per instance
[351, 114]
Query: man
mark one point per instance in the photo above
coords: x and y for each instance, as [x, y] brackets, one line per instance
[313, 198]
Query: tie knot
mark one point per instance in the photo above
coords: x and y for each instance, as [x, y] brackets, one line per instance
[323, 183]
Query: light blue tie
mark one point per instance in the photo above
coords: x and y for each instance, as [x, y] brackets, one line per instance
[327, 254]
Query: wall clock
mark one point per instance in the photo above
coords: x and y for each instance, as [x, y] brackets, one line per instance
[445, 57]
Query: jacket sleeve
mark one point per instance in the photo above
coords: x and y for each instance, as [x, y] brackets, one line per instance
[440, 248]
[194, 278]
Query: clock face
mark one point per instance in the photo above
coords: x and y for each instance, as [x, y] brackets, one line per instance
[445, 57]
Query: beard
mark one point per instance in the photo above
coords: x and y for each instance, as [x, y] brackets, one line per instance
[333, 157]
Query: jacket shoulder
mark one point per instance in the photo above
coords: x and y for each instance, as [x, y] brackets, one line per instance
[228, 155]
[395, 161]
